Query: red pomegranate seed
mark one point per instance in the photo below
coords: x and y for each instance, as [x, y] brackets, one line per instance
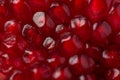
[39, 5]
[87, 77]
[21, 10]
[39, 19]
[2, 76]
[49, 43]
[93, 52]
[33, 56]
[42, 72]
[62, 74]
[59, 39]
[32, 35]
[21, 44]
[113, 74]
[44, 22]
[6, 66]
[78, 6]
[3, 11]
[12, 26]
[81, 64]
[18, 77]
[9, 40]
[117, 39]
[18, 63]
[56, 60]
[101, 32]
[71, 44]
[114, 18]
[97, 12]
[59, 13]
[81, 27]
[61, 29]
[110, 58]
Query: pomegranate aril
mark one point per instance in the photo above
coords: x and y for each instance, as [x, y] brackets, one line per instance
[39, 19]
[101, 32]
[113, 74]
[42, 72]
[62, 74]
[114, 18]
[59, 13]
[93, 52]
[44, 23]
[81, 64]
[18, 63]
[21, 10]
[32, 35]
[59, 39]
[18, 77]
[2, 76]
[39, 5]
[3, 11]
[78, 6]
[33, 56]
[111, 57]
[9, 40]
[71, 44]
[49, 43]
[21, 44]
[97, 12]
[116, 39]
[81, 26]
[61, 29]
[6, 67]
[55, 60]
[12, 27]
[87, 77]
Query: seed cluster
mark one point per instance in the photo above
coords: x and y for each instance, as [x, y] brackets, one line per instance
[59, 39]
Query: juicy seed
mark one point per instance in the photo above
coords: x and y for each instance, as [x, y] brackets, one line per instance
[59, 39]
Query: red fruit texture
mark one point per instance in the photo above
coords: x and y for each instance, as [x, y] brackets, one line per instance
[59, 39]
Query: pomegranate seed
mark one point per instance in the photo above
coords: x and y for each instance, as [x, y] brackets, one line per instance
[5, 61]
[71, 44]
[62, 74]
[93, 52]
[81, 27]
[42, 72]
[38, 5]
[3, 11]
[114, 18]
[34, 56]
[12, 27]
[49, 43]
[113, 74]
[77, 6]
[97, 12]
[56, 60]
[21, 9]
[59, 13]
[21, 44]
[39, 19]
[81, 64]
[2, 76]
[44, 22]
[87, 77]
[110, 58]
[101, 33]
[9, 40]
[18, 64]
[59, 39]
